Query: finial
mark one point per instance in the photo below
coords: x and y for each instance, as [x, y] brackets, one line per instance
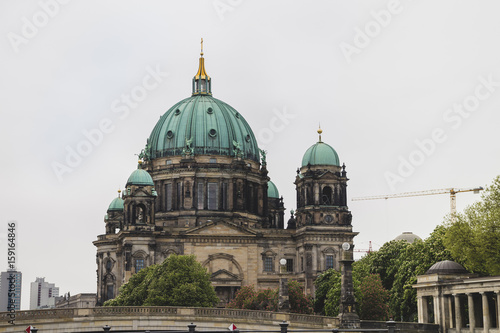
[119, 191]
[201, 53]
[319, 132]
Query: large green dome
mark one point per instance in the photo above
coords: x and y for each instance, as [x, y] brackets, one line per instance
[214, 127]
[320, 154]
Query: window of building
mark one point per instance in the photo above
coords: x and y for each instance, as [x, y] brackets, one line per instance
[213, 160]
[212, 196]
[110, 291]
[268, 264]
[139, 264]
[179, 195]
[200, 196]
[168, 197]
[329, 261]
[169, 162]
[302, 264]
[224, 196]
[109, 264]
[289, 265]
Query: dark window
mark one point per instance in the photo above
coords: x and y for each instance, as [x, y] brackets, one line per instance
[200, 196]
[326, 198]
[268, 264]
[224, 196]
[212, 196]
[109, 264]
[139, 264]
[302, 264]
[179, 195]
[289, 265]
[329, 261]
[110, 291]
[168, 197]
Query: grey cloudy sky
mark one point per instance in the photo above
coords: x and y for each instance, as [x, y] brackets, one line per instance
[407, 92]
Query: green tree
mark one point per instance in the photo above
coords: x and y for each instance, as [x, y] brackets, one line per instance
[267, 299]
[324, 282]
[178, 281]
[374, 304]
[474, 239]
[299, 302]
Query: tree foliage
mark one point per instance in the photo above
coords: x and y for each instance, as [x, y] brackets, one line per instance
[267, 299]
[178, 281]
[248, 298]
[474, 239]
[373, 305]
[399, 263]
[371, 296]
[299, 302]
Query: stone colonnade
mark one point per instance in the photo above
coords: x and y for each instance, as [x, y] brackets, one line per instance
[459, 303]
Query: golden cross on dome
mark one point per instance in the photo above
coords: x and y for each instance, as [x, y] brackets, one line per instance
[319, 132]
[201, 47]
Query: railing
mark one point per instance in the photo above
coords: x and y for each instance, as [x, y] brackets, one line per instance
[390, 328]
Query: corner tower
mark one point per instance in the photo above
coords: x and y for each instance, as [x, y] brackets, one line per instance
[322, 219]
[321, 186]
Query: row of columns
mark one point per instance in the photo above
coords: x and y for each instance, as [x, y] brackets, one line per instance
[454, 317]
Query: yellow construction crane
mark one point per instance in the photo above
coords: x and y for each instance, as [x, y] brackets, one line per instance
[452, 191]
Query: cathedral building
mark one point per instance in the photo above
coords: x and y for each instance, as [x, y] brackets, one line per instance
[202, 188]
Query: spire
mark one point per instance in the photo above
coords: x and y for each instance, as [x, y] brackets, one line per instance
[202, 84]
[319, 133]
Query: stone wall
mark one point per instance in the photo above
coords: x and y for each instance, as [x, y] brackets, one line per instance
[158, 318]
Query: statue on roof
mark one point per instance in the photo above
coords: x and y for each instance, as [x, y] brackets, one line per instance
[237, 149]
[263, 153]
[188, 150]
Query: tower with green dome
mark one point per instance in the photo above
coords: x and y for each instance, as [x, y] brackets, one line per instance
[201, 188]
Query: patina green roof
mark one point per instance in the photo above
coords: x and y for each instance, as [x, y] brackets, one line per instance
[116, 205]
[211, 124]
[140, 177]
[320, 154]
[272, 190]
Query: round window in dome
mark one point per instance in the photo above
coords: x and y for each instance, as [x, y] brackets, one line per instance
[170, 135]
[212, 133]
[237, 115]
[210, 110]
[177, 112]
[247, 138]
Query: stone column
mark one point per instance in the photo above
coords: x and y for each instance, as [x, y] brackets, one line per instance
[486, 313]
[458, 314]
[423, 316]
[472, 315]
[450, 318]
[437, 316]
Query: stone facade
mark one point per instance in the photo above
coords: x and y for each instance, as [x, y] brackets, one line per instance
[201, 190]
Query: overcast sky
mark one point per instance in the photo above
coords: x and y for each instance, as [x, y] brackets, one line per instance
[407, 93]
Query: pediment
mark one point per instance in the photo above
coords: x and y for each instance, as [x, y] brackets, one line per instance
[223, 274]
[220, 228]
[328, 175]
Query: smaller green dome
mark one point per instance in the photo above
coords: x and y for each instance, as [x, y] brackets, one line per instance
[140, 177]
[116, 205]
[320, 154]
[272, 190]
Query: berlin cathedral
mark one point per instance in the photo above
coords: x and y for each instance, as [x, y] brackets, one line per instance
[202, 188]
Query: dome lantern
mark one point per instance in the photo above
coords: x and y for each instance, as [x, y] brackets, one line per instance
[202, 83]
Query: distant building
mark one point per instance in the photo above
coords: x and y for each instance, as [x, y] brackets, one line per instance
[43, 294]
[410, 237]
[16, 278]
[77, 301]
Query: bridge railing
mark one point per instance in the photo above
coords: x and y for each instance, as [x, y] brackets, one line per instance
[191, 328]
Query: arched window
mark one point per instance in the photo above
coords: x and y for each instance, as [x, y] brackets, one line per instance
[326, 196]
